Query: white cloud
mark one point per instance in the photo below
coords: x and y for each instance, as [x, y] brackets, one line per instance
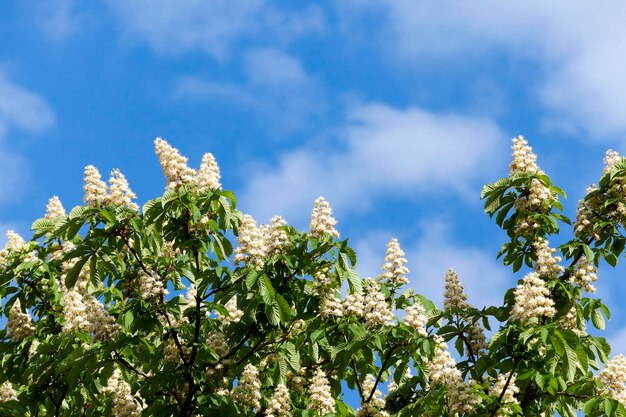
[57, 19]
[382, 151]
[430, 256]
[576, 49]
[214, 27]
[23, 109]
[20, 110]
[276, 87]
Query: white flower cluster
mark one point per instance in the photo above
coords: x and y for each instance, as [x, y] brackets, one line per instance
[547, 265]
[442, 367]
[54, 208]
[454, 295]
[121, 194]
[19, 324]
[532, 299]
[524, 159]
[150, 286]
[124, 403]
[376, 310]
[509, 394]
[585, 274]
[476, 338]
[570, 322]
[173, 164]
[375, 407]
[209, 173]
[254, 244]
[219, 343]
[247, 393]
[330, 303]
[7, 393]
[462, 396]
[415, 317]
[584, 215]
[177, 173]
[611, 157]
[322, 221]
[538, 195]
[98, 193]
[102, 323]
[394, 268]
[298, 381]
[613, 377]
[83, 311]
[353, 304]
[443, 371]
[96, 190]
[234, 315]
[15, 243]
[279, 403]
[320, 396]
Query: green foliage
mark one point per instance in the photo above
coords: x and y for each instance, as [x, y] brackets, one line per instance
[183, 353]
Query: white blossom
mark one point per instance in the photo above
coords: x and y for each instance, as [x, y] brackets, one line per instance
[124, 403]
[462, 397]
[376, 310]
[174, 165]
[74, 312]
[320, 396]
[279, 403]
[454, 295]
[247, 393]
[251, 243]
[19, 323]
[613, 377]
[476, 338]
[524, 160]
[570, 321]
[532, 299]
[256, 243]
[546, 265]
[7, 393]
[415, 317]
[83, 311]
[54, 208]
[96, 190]
[208, 176]
[610, 159]
[322, 221]
[276, 239]
[509, 393]
[101, 323]
[233, 315]
[353, 304]
[120, 192]
[150, 286]
[330, 303]
[394, 268]
[442, 367]
[375, 407]
[584, 275]
[584, 215]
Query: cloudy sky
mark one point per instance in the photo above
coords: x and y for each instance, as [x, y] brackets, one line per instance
[397, 111]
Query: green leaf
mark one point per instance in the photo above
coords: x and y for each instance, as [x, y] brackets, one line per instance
[597, 319]
[273, 313]
[72, 274]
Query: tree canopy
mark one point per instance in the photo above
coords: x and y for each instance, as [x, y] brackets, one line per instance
[188, 307]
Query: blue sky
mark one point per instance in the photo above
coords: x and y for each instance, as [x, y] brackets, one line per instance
[397, 111]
